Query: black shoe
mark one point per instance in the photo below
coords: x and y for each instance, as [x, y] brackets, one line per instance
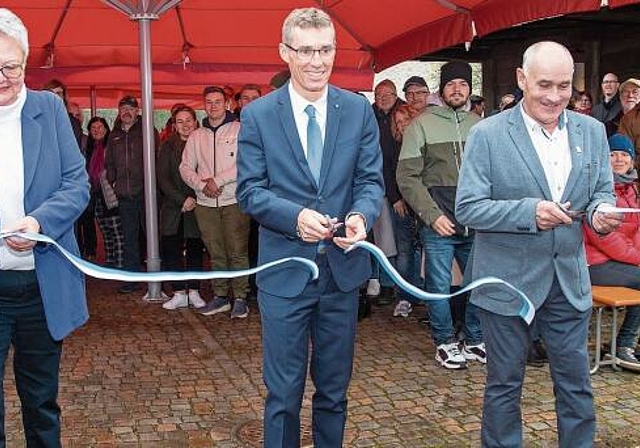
[537, 356]
[128, 288]
[364, 307]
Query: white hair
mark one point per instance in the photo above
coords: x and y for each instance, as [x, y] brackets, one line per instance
[531, 53]
[11, 26]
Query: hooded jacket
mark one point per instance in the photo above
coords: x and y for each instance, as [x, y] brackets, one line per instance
[429, 162]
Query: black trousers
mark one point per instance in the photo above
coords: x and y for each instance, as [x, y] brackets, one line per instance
[36, 358]
[179, 253]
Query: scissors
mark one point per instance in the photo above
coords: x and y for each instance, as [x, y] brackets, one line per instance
[333, 226]
[576, 215]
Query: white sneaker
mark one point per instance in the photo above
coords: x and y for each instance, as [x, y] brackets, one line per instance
[373, 287]
[179, 300]
[403, 309]
[475, 352]
[195, 299]
[449, 356]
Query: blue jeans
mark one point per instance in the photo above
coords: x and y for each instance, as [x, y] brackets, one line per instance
[614, 273]
[404, 231]
[439, 254]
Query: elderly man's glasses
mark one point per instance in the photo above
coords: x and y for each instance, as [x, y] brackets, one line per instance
[12, 71]
[385, 96]
[306, 53]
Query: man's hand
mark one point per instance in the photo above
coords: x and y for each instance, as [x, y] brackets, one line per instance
[312, 226]
[211, 189]
[355, 230]
[443, 226]
[400, 208]
[604, 222]
[549, 215]
[189, 204]
[26, 224]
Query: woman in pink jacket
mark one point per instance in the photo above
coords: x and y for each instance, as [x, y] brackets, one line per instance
[614, 259]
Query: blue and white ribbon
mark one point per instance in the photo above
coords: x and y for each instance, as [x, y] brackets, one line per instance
[96, 271]
[526, 311]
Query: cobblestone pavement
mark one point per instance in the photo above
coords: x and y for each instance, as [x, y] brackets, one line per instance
[138, 375]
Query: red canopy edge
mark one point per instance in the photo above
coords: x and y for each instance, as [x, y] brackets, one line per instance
[430, 37]
[497, 15]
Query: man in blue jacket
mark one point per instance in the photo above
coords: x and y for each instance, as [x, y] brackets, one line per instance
[308, 157]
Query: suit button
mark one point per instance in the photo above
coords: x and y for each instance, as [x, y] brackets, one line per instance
[555, 255]
[320, 198]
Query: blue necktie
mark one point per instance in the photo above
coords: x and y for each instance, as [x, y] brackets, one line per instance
[314, 143]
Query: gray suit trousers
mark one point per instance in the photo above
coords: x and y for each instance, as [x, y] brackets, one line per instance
[564, 331]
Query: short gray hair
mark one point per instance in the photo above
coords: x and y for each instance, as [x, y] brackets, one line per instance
[305, 18]
[532, 52]
[11, 26]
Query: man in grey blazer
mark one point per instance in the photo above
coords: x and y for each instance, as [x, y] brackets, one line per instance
[530, 177]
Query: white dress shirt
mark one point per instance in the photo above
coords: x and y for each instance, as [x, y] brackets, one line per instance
[12, 181]
[298, 104]
[553, 151]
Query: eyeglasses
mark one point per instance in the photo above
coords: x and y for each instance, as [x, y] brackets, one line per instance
[610, 81]
[305, 54]
[12, 71]
[417, 94]
[385, 96]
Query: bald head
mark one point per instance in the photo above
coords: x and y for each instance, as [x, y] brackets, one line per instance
[546, 52]
[545, 79]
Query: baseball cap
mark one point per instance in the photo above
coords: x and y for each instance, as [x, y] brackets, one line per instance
[128, 101]
[414, 81]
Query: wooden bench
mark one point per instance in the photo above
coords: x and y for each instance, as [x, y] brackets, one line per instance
[615, 298]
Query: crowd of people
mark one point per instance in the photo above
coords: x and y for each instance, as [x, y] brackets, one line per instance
[422, 139]
[436, 181]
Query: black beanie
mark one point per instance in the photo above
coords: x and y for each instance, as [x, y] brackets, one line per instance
[454, 70]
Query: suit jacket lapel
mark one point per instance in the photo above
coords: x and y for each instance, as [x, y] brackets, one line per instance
[522, 141]
[31, 140]
[288, 122]
[576, 146]
[331, 132]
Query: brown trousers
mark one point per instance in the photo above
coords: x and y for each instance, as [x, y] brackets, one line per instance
[225, 233]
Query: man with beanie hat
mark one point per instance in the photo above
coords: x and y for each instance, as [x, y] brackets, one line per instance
[427, 176]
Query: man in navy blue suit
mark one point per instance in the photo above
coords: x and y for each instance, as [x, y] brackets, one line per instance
[309, 159]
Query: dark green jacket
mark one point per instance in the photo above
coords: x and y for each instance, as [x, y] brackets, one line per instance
[174, 191]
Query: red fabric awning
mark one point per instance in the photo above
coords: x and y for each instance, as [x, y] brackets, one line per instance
[235, 41]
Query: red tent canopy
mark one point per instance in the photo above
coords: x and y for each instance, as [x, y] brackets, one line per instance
[200, 42]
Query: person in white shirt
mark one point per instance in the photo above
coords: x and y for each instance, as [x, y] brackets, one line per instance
[532, 176]
[44, 188]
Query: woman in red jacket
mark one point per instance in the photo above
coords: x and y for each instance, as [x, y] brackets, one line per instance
[614, 259]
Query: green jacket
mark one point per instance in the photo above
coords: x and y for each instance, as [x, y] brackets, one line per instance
[430, 159]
